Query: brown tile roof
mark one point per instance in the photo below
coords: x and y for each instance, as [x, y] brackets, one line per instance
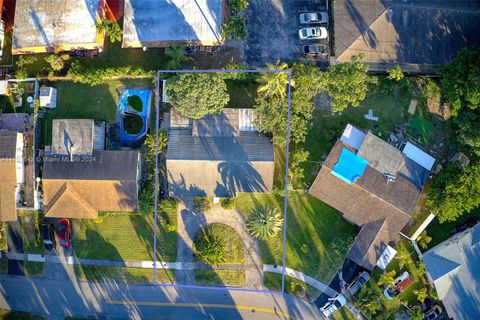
[8, 181]
[82, 199]
[369, 244]
[81, 189]
[370, 198]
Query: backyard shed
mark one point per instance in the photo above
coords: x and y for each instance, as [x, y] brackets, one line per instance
[48, 97]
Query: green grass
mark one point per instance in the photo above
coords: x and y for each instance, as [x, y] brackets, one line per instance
[230, 278]
[421, 128]
[3, 266]
[442, 231]
[234, 251]
[18, 315]
[33, 268]
[81, 101]
[273, 281]
[343, 314]
[313, 229]
[125, 275]
[126, 236]
[32, 239]
[242, 95]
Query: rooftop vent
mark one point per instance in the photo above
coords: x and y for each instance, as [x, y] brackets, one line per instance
[390, 177]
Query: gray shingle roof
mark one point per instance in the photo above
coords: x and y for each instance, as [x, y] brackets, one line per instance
[454, 266]
[380, 155]
[106, 165]
[236, 149]
[8, 143]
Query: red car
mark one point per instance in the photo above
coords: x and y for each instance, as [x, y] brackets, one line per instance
[64, 232]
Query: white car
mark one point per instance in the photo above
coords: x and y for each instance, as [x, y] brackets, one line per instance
[333, 305]
[313, 17]
[312, 33]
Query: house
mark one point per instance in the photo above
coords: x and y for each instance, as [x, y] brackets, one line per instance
[416, 32]
[218, 155]
[11, 173]
[80, 178]
[160, 23]
[454, 268]
[56, 25]
[373, 185]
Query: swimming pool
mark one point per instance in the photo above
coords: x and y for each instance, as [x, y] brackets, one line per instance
[134, 106]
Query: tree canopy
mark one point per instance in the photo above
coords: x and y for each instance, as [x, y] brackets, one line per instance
[347, 83]
[454, 191]
[196, 95]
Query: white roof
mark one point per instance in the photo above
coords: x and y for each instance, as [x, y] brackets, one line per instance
[417, 155]
[386, 257]
[3, 87]
[353, 137]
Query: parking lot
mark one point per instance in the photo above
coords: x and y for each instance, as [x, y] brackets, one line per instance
[273, 30]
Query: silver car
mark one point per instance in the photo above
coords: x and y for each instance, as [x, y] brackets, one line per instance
[333, 305]
[314, 50]
[358, 282]
[312, 33]
[313, 17]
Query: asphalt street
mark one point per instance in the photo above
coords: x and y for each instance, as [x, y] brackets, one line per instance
[111, 300]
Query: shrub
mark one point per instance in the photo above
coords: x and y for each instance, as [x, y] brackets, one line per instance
[201, 204]
[56, 62]
[235, 28]
[111, 28]
[210, 249]
[238, 5]
[265, 222]
[228, 203]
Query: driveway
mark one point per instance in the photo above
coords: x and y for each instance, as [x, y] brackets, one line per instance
[15, 244]
[273, 30]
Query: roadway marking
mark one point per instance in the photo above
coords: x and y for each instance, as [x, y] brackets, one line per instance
[203, 305]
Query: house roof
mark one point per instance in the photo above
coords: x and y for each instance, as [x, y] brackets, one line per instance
[380, 155]
[8, 182]
[52, 23]
[369, 244]
[13, 122]
[215, 157]
[159, 23]
[392, 31]
[79, 189]
[72, 136]
[454, 267]
[103, 165]
[8, 143]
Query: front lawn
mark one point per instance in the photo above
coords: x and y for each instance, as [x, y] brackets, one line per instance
[32, 239]
[82, 101]
[126, 236]
[273, 281]
[230, 242]
[318, 238]
[229, 278]
[125, 275]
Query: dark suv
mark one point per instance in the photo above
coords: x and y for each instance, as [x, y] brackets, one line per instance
[48, 236]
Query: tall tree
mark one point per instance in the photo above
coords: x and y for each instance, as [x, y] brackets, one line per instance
[196, 95]
[274, 84]
[347, 83]
[454, 191]
[265, 222]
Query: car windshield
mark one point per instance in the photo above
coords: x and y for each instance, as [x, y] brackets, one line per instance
[337, 304]
[304, 32]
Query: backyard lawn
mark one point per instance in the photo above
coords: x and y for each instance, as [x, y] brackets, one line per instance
[82, 101]
[318, 238]
[125, 275]
[127, 236]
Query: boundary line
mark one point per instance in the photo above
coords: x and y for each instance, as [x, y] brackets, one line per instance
[157, 106]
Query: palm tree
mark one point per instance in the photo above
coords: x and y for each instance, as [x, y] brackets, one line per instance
[274, 84]
[387, 279]
[265, 222]
[176, 55]
[111, 28]
[403, 257]
[424, 239]
[421, 294]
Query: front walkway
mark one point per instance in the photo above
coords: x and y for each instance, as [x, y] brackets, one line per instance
[189, 222]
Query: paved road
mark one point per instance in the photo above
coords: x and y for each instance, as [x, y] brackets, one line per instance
[55, 299]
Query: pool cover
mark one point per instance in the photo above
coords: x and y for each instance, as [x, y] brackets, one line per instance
[349, 166]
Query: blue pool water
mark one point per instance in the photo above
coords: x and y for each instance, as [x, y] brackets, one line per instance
[145, 95]
[349, 166]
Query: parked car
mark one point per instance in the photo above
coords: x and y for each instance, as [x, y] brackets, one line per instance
[314, 49]
[312, 33]
[313, 17]
[358, 282]
[48, 236]
[433, 313]
[333, 305]
[64, 232]
[402, 283]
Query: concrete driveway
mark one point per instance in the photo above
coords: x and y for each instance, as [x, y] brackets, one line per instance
[273, 30]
